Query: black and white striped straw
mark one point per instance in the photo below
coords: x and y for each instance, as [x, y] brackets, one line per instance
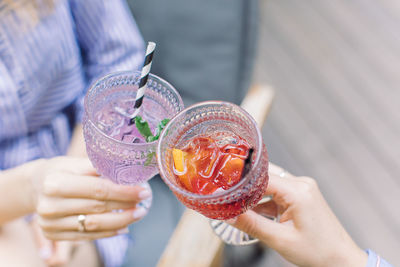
[143, 78]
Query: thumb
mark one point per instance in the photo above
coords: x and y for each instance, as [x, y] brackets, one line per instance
[264, 229]
[62, 253]
[44, 245]
[45, 249]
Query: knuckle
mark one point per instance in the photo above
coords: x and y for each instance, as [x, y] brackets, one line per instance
[92, 223]
[53, 164]
[303, 192]
[251, 227]
[100, 206]
[308, 185]
[50, 235]
[310, 181]
[45, 207]
[45, 225]
[306, 189]
[50, 184]
[100, 190]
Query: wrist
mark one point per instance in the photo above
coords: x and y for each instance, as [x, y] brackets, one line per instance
[360, 258]
[31, 175]
[354, 257]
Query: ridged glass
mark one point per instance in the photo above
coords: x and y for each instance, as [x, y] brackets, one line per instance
[126, 163]
[215, 118]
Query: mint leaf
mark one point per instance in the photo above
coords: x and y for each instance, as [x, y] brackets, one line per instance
[164, 122]
[143, 128]
[149, 158]
[159, 129]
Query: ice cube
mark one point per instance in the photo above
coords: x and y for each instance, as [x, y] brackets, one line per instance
[225, 140]
[129, 138]
[125, 107]
[109, 118]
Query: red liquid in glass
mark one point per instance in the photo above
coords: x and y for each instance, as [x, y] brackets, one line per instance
[208, 166]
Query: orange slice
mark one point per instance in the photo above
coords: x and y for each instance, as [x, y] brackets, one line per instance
[179, 163]
[179, 159]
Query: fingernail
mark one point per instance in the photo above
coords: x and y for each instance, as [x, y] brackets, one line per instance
[144, 194]
[231, 221]
[45, 252]
[139, 213]
[123, 231]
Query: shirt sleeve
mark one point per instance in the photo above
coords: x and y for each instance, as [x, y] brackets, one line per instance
[108, 37]
[374, 260]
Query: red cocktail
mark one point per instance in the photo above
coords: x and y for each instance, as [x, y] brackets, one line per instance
[202, 154]
[205, 166]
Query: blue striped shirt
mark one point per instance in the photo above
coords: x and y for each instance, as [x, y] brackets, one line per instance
[45, 68]
[374, 260]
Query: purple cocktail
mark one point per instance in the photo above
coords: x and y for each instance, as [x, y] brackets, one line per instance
[114, 145]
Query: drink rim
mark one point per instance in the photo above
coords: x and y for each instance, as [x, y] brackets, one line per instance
[107, 76]
[241, 183]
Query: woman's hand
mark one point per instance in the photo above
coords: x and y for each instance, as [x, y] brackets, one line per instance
[309, 234]
[65, 188]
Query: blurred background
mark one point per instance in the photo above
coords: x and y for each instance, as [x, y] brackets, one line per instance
[335, 68]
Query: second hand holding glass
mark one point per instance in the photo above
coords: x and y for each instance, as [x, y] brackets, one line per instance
[210, 185]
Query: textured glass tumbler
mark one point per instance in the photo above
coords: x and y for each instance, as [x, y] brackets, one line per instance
[121, 162]
[218, 120]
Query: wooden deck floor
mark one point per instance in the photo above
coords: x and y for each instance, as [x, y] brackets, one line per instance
[336, 68]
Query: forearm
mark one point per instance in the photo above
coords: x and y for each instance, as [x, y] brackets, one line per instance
[16, 192]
